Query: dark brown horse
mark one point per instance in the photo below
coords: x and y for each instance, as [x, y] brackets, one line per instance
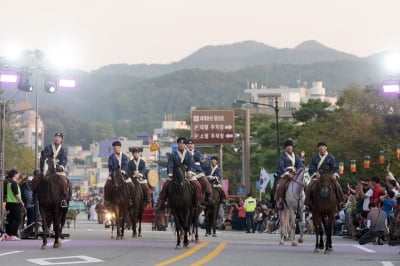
[180, 198]
[119, 203]
[323, 202]
[50, 193]
[136, 210]
[211, 213]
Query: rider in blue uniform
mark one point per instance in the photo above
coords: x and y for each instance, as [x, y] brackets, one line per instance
[137, 169]
[60, 155]
[214, 176]
[116, 160]
[198, 161]
[180, 156]
[323, 160]
[289, 163]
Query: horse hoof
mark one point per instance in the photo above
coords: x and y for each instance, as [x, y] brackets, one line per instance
[140, 235]
[134, 235]
[112, 237]
[316, 250]
[214, 235]
[281, 243]
[57, 244]
[185, 245]
[294, 244]
[301, 240]
[206, 235]
[327, 251]
[177, 247]
[43, 247]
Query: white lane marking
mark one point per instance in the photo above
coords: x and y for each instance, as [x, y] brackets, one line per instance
[387, 263]
[365, 249]
[65, 260]
[11, 252]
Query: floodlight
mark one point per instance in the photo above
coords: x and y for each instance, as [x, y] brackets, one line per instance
[24, 84]
[67, 83]
[50, 86]
[391, 87]
[9, 78]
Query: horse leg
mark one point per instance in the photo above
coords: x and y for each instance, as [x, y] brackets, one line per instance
[140, 228]
[57, 228]
[329, 225]
[214, 222]
[44, 228]
[178, 234]
[293, 228]
[301, 225]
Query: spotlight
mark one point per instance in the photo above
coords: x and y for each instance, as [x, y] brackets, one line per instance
[50, 86]
[24, 84]
[391, 87]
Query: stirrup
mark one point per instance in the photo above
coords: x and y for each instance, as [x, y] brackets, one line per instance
[280, 206]
[307, 208]
[64, 204]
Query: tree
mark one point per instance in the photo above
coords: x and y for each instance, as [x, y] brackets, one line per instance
[310, 110]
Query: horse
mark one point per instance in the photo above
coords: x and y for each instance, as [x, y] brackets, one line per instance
[119, 203]
[136, 210]
[294, 204]
[180, 198]
[211, 213]
[50, 194]
[323, 202]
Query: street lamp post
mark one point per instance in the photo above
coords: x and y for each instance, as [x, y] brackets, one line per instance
[276, 108]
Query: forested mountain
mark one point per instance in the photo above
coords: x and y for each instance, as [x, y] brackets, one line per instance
[236, 56]
[128, 102]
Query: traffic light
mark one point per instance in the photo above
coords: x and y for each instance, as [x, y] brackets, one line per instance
[24, 84]
[50, 86]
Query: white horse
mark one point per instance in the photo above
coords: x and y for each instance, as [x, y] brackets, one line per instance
[293, 207]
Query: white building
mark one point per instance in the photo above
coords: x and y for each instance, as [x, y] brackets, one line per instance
[289, 99]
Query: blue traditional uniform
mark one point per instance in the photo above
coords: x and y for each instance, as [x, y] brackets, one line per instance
[137, 169]
[319, 162]
[288, 164]
[179, 157]
[328, 162]
[117, 162]
[59, 154]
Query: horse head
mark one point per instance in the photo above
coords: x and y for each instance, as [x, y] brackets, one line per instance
[326, 175]
[179, 173]
[116, 175]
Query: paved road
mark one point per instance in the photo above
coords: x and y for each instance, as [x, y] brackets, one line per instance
[90, 243]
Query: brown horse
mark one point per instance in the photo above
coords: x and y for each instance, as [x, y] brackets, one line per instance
[180, 199]
[323, 202]
[50, 193]
[119, 203]
[136, 210]
[211, 213]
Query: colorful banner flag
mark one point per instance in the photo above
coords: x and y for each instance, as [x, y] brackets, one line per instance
[367, 161]
[264, 179]
[382, 157]
[353, 166]
[398, 151]
[341, 168]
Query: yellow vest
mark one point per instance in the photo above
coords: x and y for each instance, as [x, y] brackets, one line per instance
[10, 194]
[250, 204]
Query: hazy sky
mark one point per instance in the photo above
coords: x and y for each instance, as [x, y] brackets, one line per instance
[100, 32]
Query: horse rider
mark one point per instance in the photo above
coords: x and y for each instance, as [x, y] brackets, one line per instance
[206, 186]
[321, 161]
[60, 162]
[214, 175]
[180, 156]
[289, 163]
[117, 160]
[137, 169]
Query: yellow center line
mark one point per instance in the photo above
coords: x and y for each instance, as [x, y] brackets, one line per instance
[183, 255]
[210, 256]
